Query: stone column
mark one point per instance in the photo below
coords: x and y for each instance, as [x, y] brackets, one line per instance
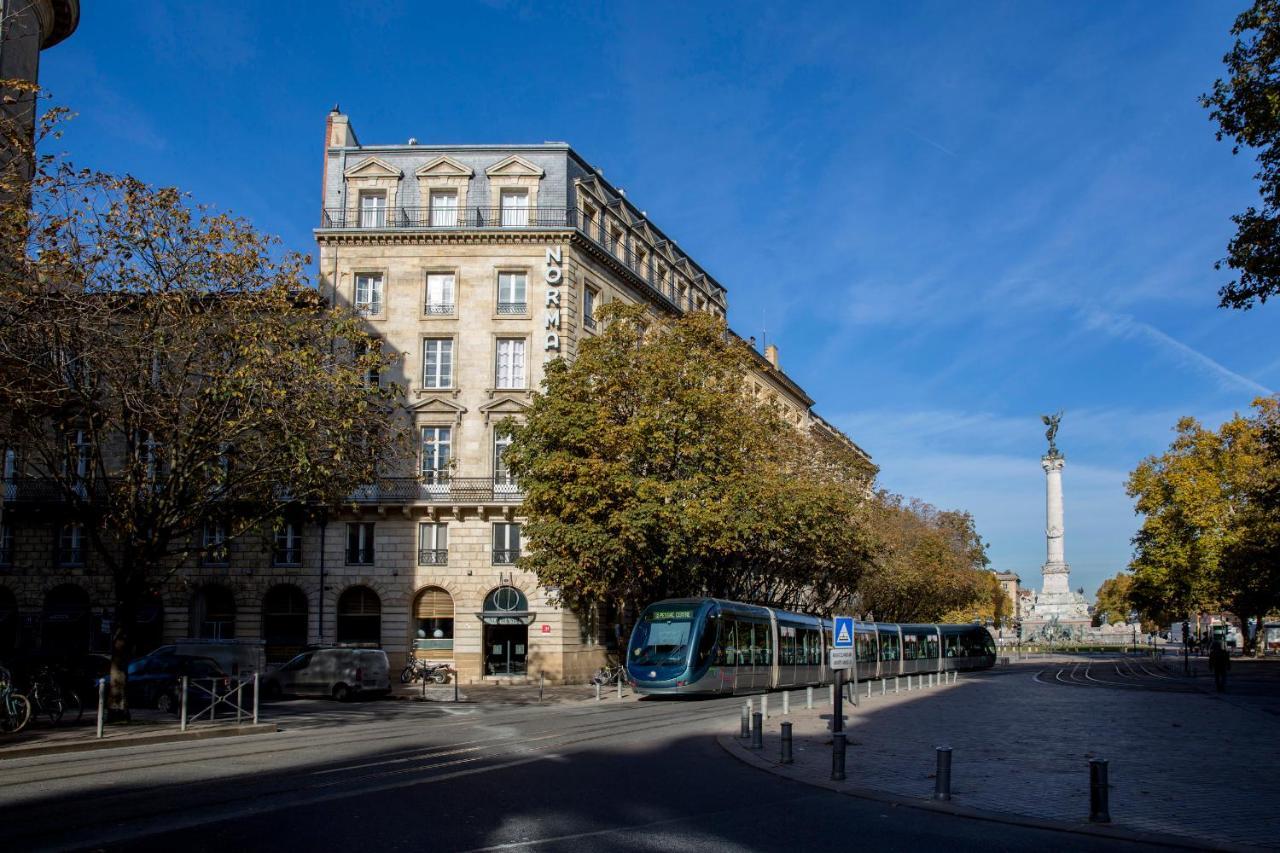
[1055, 566]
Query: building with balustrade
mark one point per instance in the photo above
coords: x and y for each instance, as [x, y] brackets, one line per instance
[476, 265]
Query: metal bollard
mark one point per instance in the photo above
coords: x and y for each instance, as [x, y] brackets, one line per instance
[764, 706]
[1099, 792]
[746, 721]
[942, 779]
[757, 731]
[183, 725]
[597, 691]
[837, 757]
[102, 703]
[541, 681]
[454, 673]
[808, 698]
[786, 743]
[868, 689]
[883, 687]
[831, 694]
[786, 703]
[908, 684]
[897, 679]
[255, 698]
[619, 686]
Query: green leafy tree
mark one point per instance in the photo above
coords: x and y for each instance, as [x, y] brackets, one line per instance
[1246, 108]
[164, 367]
[1113, 602]
[1209, 533]
[649, 472]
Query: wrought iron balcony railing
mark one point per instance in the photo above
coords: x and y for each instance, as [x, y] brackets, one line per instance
[513, 307]
[438, 308]
[440, 489]
[433, 556]
[505, 556]
[468, 217]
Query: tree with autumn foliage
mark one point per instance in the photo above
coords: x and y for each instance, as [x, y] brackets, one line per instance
[1210, 536]
[649, 471]
[164, 367]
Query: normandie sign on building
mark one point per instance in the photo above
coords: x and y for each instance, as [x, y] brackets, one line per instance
[477, 264]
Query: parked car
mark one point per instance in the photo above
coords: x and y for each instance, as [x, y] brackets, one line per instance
[234, 657]
[340, 673]
[154, 681]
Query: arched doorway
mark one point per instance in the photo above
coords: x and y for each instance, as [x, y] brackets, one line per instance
[213, 613]
[66, 629]
[8, 621]
[360, 616]
[506, 631]
[284, 622]
[433, 624]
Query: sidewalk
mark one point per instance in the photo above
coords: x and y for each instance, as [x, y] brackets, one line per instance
[1022, 739]
[146, 728]
[511, 694]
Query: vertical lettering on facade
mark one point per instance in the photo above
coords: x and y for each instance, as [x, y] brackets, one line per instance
[551, 319]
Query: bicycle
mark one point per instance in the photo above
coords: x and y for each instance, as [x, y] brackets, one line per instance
[47, 697]
[15, 710]
[607, 675]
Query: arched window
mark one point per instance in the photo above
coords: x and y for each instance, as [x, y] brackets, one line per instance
[8, 620]
[360, 616]
[284, 622]
[433, 624]
[66, 627]
[506, 598]
[213, 613]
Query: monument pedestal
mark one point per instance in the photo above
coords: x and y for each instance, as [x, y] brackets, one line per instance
[1056, 609]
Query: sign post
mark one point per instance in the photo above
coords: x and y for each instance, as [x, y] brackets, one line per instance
[843, 639]
[841, 659]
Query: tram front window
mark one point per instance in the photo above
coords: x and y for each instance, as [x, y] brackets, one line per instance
[662, 637]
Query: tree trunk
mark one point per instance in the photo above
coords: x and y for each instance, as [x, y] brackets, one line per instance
[121, 653]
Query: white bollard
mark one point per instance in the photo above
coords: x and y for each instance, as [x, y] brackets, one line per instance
[908, 684]
[255, 698]
[764, 707]
[597, 691]
[868, 689]
[896, 679]
[883, 688]
[831, 694]
[183, 703]
[786, 703]
[619, 686]
[102, 703]
[808, 697]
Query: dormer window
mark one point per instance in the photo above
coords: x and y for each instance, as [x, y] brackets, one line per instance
[444, 209]
[515, 208]
[588, 219]
[373, 209]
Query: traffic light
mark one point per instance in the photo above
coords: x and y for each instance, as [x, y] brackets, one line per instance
[1186, 632]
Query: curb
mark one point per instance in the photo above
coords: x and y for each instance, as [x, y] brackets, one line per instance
[729, 744]
[139, 740]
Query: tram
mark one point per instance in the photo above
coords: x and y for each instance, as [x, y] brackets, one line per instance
[708, 646]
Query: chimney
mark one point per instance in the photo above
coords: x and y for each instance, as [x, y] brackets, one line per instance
[339, 132]
[771, 355]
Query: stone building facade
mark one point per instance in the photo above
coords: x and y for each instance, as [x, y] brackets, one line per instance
[476, 265]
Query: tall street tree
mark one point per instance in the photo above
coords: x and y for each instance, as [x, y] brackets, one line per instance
[171, 382]
[1246, 107]
[1208, 539]
[650, 471]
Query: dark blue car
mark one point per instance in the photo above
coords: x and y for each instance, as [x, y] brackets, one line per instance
[154, 681]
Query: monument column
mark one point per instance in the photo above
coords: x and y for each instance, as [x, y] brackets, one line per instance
[1055, 566]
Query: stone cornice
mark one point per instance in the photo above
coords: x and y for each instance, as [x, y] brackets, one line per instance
[369, 237]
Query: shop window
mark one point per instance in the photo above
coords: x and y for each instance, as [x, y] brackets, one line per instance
[433, 623]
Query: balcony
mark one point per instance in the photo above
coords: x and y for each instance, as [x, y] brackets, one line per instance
[433, 556]
[513, 307]
[436, 309]
[472, 218]
[506, 556]
[442, 489]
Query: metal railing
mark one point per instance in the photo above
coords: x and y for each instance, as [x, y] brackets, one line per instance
[505, 556]
[227, 694]
[513, 307]
[433, 556]
[438, 308]
[466, 217]
[441, 489]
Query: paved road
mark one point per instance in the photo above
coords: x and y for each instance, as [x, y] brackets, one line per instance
[615, 776]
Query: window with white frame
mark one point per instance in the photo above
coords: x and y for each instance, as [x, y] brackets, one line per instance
[501, 476]
[79, 464]
[589, 299]
[440, 293]
[71, 545]
[433, 544]
[444, 208]
[589, 219]
[360, 543]
[437, 363]
[368, 293]
[515, 207]
[373, 210]
[288, 545]
[436, 449]
[214, 544]
[510, 367]
[513, 293]
[506, 543]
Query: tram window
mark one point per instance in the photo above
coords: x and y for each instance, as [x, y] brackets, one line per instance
[865, 647]
[766, 643]
[888, 646]
[813, 647]
[932, 650]
[787, 643]
[952, 646]
[726, 654]
[707, 640]
[911, 646]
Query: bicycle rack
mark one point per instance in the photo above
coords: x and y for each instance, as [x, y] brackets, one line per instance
[233, 697]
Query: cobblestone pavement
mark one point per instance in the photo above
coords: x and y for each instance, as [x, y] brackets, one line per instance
[1023, 735]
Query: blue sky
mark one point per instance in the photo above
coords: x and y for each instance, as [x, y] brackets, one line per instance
[950, 217]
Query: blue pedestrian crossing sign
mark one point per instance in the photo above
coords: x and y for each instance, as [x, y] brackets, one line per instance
[844, 633]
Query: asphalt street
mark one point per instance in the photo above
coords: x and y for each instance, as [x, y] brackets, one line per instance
[401, 775]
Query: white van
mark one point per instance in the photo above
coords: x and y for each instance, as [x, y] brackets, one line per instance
[340, 673]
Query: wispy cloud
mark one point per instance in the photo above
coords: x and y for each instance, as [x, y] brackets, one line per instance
[1127, 327]
[931, 142]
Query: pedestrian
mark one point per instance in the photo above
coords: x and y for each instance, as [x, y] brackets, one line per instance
[1220, 663]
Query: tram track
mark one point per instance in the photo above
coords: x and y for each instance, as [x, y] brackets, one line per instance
[1075, 676]
[472, 755]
